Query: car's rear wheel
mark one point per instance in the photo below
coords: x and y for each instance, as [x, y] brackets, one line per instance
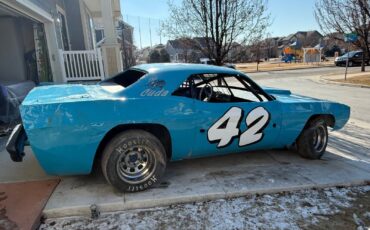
[313, 140]
[134, 160]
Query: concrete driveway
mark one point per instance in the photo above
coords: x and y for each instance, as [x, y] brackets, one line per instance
[24, 190]
[346, 162]
[28, 170]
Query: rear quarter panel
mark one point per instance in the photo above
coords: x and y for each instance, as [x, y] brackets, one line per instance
[65, 136]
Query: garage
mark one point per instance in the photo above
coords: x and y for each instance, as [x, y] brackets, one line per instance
[24, 61]
[23, 48]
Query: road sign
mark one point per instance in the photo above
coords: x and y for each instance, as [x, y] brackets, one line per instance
[351, 37]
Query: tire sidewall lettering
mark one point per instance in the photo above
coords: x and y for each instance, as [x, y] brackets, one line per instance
[140, 187]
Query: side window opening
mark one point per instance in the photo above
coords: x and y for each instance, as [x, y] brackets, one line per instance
[126, 78]
[218, 88]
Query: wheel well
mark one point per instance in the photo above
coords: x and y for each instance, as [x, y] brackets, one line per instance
[328, 118]
[157, 130]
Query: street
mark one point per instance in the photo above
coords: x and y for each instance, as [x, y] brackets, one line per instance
[307, 82]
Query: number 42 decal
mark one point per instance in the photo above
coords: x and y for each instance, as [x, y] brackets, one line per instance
[227, 127]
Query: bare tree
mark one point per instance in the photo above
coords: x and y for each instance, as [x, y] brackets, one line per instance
[219, 22]
[127, 46]
[346, 16]
[256, 51]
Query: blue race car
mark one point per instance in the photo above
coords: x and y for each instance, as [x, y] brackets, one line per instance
[134, 123]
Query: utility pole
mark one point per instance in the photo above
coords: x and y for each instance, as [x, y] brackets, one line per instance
[150, 34]
[141, 46]
[160, 32]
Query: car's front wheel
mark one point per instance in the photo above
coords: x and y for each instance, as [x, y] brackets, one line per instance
[313, 140]
[134, 160]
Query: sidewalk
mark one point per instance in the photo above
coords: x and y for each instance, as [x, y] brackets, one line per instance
[346, 163]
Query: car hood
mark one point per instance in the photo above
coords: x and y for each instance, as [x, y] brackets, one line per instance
[293, 98]
[271, 90]
[66, 93]
[285, 95]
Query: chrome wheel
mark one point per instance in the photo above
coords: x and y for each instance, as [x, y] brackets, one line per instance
[136, 164]
[320, 138]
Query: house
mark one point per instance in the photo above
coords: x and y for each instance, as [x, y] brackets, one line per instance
[299, 40]
[142, 55]
[334, 43]
[268, 48]
[183, 50]
[126, 34]
[54, 40]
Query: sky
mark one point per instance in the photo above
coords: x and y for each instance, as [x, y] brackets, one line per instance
[288, 16]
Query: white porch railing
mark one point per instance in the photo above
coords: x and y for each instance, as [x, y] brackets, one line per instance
[82, 65]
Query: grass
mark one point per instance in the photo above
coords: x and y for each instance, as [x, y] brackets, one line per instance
[271, 66]
[360, 80]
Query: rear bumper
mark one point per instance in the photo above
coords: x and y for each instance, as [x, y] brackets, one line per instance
[16, 143]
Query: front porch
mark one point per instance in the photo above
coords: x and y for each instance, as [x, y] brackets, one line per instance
[82, 65]
[101, 58]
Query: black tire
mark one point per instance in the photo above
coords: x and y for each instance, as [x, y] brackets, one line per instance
[133, 161]
[350, 64]
[313, 140]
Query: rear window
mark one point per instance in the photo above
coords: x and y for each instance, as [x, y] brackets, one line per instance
[125, 78]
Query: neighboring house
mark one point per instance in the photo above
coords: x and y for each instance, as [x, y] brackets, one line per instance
[142, 55]
[54, 40]
[269, 48]
[334, 42]
[191, 50]
[300, 39]
[126, 33]
[238, 53]
[183, 50]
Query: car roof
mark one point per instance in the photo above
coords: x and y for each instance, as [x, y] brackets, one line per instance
[172, 75]
[183, 67]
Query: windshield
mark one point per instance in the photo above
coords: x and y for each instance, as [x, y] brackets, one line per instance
[350, 54]
[126, 78]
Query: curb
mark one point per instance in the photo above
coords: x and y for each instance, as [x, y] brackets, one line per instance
[273, 70]
[125, 206]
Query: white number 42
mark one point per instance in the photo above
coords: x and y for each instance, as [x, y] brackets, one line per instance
[227, 127]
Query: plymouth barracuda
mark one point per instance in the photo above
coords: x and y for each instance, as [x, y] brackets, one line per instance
[135, 122]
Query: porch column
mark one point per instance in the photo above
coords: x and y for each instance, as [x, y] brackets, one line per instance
[110, 47]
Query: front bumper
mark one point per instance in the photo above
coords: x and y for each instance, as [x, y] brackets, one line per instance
[16, 143]
[340, 62]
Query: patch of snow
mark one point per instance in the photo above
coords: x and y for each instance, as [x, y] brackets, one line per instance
[293, 210]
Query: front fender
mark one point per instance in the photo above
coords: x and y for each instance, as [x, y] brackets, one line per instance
[341, 114]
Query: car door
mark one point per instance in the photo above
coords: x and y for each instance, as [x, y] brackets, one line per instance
[247, 119]
[357, 58]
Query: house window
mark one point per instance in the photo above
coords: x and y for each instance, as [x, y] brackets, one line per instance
[63, 26]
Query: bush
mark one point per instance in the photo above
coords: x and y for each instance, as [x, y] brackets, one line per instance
[159, 56]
